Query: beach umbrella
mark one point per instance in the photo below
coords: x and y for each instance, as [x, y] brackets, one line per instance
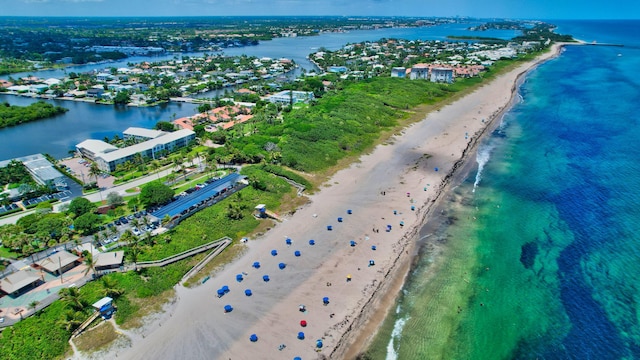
[301, 335]
[312, 242]
[325, 300]
[303, 323]
[436, 169]
[297, 253]
[228, 308]
[220, 293]
[225, 288]
[413, 208]
[274, 252]
[253, 338]
[349, 212]
[373, 247]
[297, 358]
[265, 278]
[339, 219]
[371, 262]
[319, 343]
[239, 278]
[282, 266]
[395, 212]
[288, 241]
[329, 227]
[256, 265]
[248, 292]
[401, 223]
[352, 243]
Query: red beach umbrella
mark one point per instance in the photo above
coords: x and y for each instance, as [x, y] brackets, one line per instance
[303, 323]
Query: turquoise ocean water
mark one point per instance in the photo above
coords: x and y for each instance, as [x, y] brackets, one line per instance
[536, 255]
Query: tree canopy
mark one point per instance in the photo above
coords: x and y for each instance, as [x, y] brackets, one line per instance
[11, 115]
[155, 193]
[80, 206]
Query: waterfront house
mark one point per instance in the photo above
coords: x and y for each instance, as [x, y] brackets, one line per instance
[440, 74]
[399, 72]
[419, 71]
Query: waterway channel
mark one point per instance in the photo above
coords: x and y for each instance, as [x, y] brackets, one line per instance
[57, 135]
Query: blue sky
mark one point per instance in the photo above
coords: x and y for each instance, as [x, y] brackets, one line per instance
[529, 9]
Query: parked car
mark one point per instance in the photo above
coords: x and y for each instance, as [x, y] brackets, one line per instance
[136, 231]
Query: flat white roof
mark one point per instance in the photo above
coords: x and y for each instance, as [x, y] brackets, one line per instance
[148, 133]
[102, 302]
[143, 146]
[96, 146]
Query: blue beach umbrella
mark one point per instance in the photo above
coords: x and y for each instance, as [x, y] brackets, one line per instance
[297, 358]
[282, 266]
[325, 300]
[296, 253]
[256, 265]
[228, 308]
[312, 242]
[339, 219]
[288, 241]
[329, 227]
[349, 212]
[248, 292]
[352, 243]
[265, 278]
[274, 252]
[373, 247]
[301, 335]
[319, 343]
[225, 288]
[220, 293]
[253, 338]
[239, 278]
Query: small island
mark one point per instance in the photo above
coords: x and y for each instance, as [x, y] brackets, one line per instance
[11, 115]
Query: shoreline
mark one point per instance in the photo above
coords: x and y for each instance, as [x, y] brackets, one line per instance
[374, 187]
[361, 340]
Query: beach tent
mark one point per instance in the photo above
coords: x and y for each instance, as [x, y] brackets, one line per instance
[253, 338]
[303, 323]
[312, 242]
[325, 300]
[339, 219]
[373, 247]
[248, 292]
[228, 308]
[256, 265]
[288, 241]
[296, 253]
[221, 293]
[301, 335]
[349, 277]
[349, 212]
[225, 288]
[239, 278]
[265, 278]
[282, 266]
[352, 243]
[329, 227]
[274, 252]
[319, 343]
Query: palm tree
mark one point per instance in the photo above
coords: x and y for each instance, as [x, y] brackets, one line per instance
[71, 296]
[111, 288]
[70, 321]
[155, 165]
[95, 171]
[91, 265]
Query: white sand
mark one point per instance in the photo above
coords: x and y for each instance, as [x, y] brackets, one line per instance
[196, 326]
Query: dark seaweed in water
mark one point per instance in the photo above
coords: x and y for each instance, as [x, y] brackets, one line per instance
[528, 254]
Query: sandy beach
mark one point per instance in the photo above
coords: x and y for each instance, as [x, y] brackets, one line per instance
[398, 185]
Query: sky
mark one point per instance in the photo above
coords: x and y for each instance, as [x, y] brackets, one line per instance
[517, 9]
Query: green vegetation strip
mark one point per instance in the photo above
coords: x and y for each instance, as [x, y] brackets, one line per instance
[11, 115]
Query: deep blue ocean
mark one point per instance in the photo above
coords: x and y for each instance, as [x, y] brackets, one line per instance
[537, 253]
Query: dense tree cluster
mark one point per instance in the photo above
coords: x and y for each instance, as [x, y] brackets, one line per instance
[14, 173]
[11, 115]
[155, 193]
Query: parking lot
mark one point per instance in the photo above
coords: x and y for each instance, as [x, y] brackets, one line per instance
[79, 168]
[139, 223]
